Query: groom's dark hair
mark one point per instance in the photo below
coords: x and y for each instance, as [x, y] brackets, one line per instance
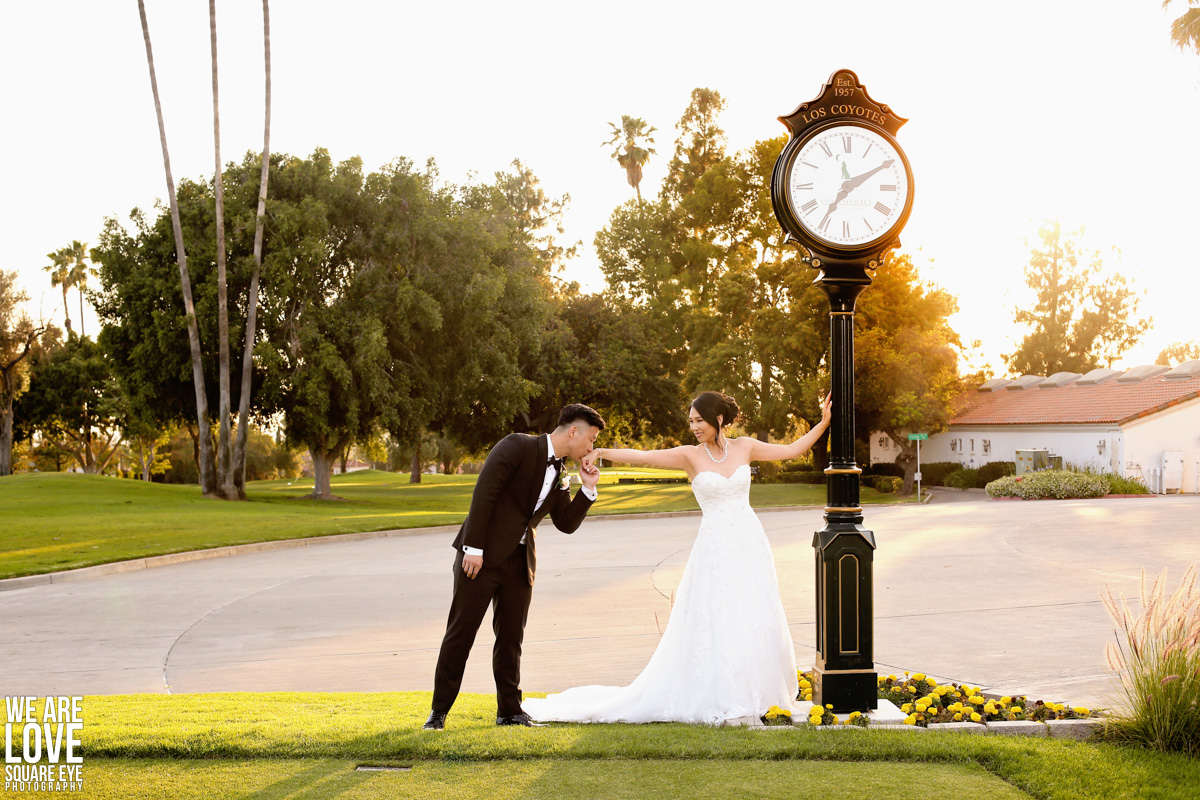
[576, 412]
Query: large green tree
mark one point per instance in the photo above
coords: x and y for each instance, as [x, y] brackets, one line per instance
[1176, 353]
[74, 400]
[600, 351]
[738, 313]
[1081, 319]
[19, 340]
[906, 359]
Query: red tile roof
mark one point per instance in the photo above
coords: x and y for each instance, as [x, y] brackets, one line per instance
[1108, 402]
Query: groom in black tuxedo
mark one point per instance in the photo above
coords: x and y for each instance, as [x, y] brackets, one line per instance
[495, 553]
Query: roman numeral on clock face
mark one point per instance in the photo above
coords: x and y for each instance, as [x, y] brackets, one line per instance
[882, 209]
[824, 226]
[869, 228]
[887, 187]
[845, 229]
[807, 186]
[825, 147]
[846, 143]
[809, 206]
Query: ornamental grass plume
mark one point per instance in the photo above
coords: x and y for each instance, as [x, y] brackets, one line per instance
[1156, 658]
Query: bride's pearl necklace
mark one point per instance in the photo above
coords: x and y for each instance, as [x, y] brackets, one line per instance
[722, 458]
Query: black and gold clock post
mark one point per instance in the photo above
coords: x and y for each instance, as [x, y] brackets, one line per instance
[842, 191]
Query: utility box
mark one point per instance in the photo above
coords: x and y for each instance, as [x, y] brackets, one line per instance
[1032, 460]
[1172, 471]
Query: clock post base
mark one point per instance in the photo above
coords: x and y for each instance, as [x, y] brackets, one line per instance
[846, 690]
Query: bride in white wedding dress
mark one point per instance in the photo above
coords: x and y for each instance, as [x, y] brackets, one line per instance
[727, 651]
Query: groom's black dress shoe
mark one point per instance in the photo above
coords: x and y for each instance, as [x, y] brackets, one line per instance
[436, 721]
[519, 719]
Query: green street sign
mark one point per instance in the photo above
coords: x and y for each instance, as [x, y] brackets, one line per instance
[916, 437]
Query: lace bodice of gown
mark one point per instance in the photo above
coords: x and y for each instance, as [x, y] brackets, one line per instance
[718, 495]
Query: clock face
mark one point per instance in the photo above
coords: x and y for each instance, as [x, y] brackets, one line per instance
[848, 186]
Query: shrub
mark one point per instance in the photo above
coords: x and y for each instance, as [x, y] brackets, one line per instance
[935, 472]
[813, 477]
[1118, 484]
[885, 468]
[769, 471]
[996, 469]
[963, 478]
[1052, 483]
[886, 484]
[1157, 661]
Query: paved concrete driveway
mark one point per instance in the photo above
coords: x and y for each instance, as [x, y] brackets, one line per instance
[998, 594]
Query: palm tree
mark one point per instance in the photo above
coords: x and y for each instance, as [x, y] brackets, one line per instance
[239, 447]
[1185, 31]
[224, 453]
[626, 143]
[207, 474]
[60, 275]
[78, 272]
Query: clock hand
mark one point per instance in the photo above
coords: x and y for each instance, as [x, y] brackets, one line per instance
[851, 185]
[854, 183]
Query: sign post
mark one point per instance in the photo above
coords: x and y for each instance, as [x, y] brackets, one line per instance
[918, 438]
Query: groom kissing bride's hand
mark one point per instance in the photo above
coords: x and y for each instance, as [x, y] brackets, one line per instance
[522, 481]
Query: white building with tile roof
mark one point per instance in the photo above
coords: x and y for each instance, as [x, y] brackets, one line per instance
[1142, 423]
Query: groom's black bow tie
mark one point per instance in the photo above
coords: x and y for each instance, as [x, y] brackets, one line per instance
[557, 463]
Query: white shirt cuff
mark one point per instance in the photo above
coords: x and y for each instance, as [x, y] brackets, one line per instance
[472, 551]
[590, 494]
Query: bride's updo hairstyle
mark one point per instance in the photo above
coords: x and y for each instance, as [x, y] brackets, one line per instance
[710, 405]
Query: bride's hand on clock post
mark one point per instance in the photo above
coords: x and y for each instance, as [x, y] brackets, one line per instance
[827, 410]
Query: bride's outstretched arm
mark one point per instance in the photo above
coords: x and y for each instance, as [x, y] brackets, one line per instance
[673, 458]
[765, 451]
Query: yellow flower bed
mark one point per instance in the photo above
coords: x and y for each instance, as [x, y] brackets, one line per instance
[926, 702]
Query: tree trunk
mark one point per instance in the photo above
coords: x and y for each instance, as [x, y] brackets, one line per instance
[322, 461]
[66, 310]
[226, 489]
[415, 474]
[239, 448]
[195, 444]
[907, 460]
[820, 451]
[81, 330]
[204, 460]
[345, 457]
[6, 437]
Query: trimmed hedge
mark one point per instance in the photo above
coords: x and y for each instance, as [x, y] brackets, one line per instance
[996, 469]
[934, 473]
[814, 477]
[1051, 483]
[886, 468]
[963, 478]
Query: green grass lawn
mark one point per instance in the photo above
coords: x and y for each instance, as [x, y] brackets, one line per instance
[307, 745]
[51, 522]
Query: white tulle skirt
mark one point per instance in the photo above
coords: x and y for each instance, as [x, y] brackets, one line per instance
[726, 652]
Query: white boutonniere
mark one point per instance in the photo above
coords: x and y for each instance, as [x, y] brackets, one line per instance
[564, 480]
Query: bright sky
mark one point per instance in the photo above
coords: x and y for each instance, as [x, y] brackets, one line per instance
[1019, 112]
